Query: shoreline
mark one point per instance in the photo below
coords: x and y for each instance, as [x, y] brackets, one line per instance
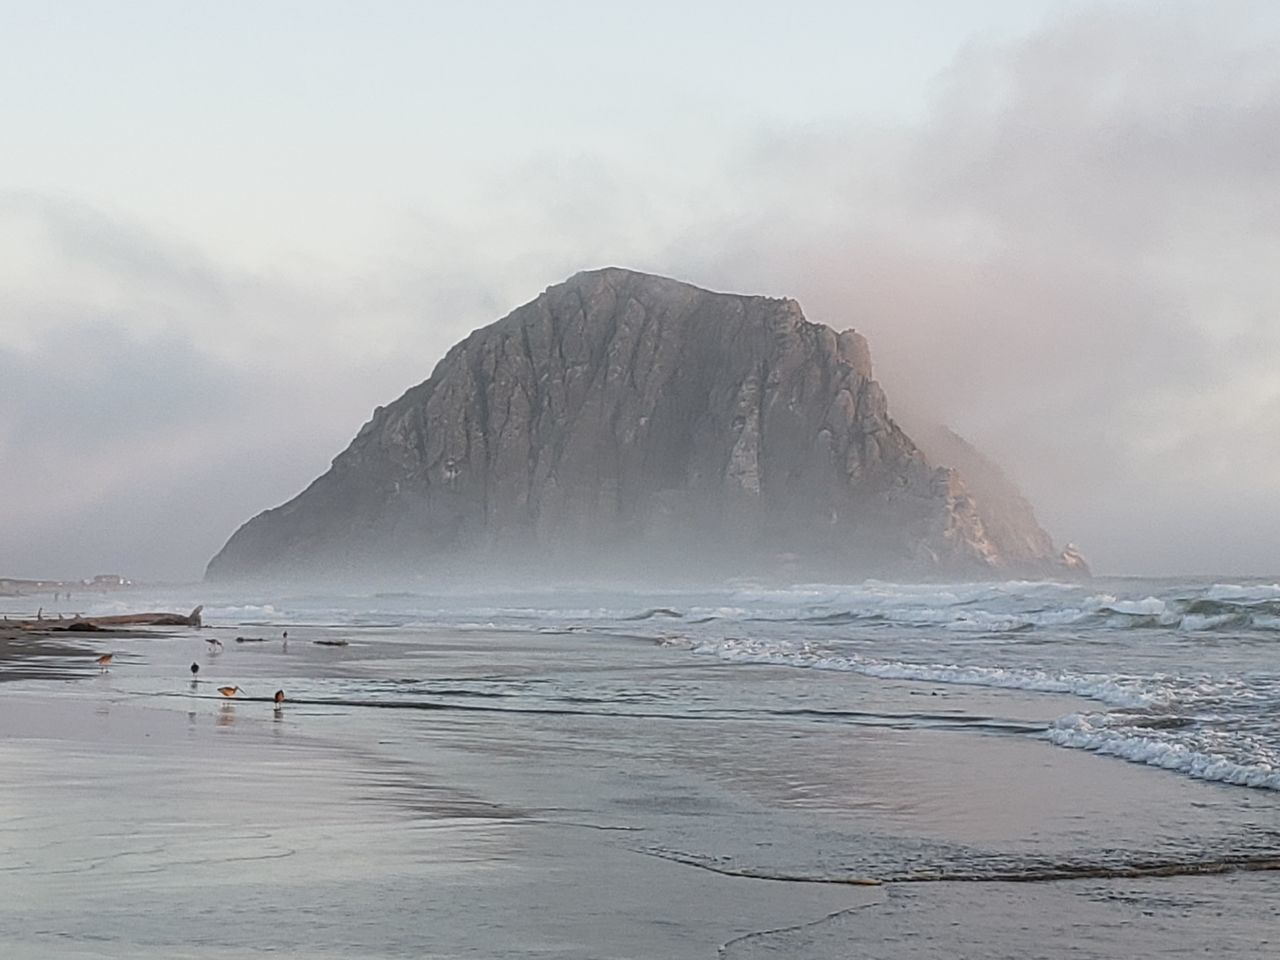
[540, 802]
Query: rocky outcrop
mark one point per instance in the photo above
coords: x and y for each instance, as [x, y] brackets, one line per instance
[623, 422]
[1008, 520]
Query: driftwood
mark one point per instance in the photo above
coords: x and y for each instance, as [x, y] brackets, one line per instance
[80, 624]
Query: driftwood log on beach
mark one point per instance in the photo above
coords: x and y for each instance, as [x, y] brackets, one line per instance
[80, 624]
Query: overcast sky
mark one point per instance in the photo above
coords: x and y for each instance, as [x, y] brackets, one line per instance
[228, 231]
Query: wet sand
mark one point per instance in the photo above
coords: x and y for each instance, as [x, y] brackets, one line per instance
[30, 655]
[554, 796]
[130, 831]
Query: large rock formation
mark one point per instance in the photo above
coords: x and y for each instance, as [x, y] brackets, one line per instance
[623, 422]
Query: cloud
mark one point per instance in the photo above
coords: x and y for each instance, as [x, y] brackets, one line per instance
[151, 400]
[1068, 261]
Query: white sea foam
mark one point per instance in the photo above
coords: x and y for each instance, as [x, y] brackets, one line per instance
[1099, 733]
[238, 614]
[1147, 607]
[1235, 591]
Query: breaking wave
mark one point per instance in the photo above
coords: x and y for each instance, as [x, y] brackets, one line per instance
[995, 612]
[1186, 748]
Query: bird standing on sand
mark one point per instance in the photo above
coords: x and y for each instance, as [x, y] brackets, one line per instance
[104, 660]
[213, 642]
[228, 691]
[279, 697]
[195, 668]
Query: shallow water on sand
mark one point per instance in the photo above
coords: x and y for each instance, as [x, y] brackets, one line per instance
[534, 787]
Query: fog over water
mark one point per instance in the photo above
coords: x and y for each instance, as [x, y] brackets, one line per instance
[1057, 226]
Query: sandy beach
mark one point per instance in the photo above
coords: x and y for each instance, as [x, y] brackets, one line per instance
[535, 795]
[144, 831]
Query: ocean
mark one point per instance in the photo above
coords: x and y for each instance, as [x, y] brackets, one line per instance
[878, 770]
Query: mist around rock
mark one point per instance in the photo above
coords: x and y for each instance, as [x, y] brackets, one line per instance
[628, 427]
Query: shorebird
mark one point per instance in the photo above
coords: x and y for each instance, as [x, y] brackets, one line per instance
[279, 697]
[228, 691]
[213, 642]
[195, 668]
[104, 660]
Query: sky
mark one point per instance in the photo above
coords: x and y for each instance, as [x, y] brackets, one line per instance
[229, 231]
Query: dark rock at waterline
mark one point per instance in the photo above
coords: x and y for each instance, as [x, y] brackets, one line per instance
[624, 423]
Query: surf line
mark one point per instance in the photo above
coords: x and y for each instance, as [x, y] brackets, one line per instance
[1039, 874]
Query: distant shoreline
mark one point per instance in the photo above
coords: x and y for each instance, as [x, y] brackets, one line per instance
[31, 586]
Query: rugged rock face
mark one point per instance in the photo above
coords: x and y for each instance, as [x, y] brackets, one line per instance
[623, 422]
[1007, 516]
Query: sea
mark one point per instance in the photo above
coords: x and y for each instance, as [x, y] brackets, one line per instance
[881, 770]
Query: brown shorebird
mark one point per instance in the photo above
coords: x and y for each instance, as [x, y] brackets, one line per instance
[228, 691]
[104, 660]
[195, 668]
[279, 697]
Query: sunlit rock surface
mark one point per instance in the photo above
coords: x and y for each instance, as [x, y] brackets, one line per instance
[629, 424]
